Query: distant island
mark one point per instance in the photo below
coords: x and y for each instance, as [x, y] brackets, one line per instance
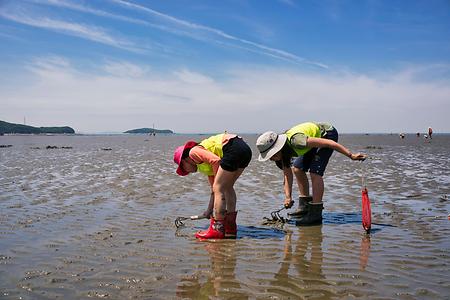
[149, 131]
[11, 128]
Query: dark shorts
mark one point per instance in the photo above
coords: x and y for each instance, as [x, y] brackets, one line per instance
[316, 160]
[236, 155]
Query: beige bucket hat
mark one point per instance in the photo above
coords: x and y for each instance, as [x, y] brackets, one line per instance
[269, 143]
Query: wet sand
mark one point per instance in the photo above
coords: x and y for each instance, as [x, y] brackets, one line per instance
[96, 220]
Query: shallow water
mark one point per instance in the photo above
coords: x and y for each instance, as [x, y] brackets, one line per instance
[87, 221]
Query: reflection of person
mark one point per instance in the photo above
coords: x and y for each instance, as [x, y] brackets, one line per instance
[222, 158]
[306, 257]
[221, 283]
[312, 144]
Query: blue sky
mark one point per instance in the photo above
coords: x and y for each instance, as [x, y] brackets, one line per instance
[241, 66]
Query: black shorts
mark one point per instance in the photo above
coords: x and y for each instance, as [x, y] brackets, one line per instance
[316, 159]
[236, 155]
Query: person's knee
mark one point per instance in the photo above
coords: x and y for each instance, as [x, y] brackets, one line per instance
[315, 177]
[236, 175]
[296, 170]
[222, 187]
[299, 173]
[218, 188]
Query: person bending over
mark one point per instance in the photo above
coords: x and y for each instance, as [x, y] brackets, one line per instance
[222, 158]
[312, 145]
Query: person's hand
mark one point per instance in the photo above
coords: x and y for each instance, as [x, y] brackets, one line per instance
[358, 156]
[288, 202]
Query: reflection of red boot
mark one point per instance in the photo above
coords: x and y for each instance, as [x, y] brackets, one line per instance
[216, 230]
[230, 225]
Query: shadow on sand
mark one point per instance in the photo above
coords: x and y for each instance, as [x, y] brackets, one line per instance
[338, 218]
[269, 232]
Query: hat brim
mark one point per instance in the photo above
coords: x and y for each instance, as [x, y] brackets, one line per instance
[277, 146]
[181, 172]
[189, 144]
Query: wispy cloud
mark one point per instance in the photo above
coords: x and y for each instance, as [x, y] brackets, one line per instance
[175, 26]
[90, 10]
[124, 69]
[102, 13]
[193, 77]
[288, 2]
[273, 52]
[88, 32]
[10, 36]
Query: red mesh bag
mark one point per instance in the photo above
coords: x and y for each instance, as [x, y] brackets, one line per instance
[366, 212]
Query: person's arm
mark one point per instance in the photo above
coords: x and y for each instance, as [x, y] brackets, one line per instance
[200, 155]
[209, 211]
[287, 185]
[312, 142]
[211, 181]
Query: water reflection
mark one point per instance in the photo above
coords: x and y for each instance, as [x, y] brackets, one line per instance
[305, 254]
[364, 252]
[221, 281]
[301, 271]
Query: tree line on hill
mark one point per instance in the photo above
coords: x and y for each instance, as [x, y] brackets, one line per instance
[149, 131]
[12, 128]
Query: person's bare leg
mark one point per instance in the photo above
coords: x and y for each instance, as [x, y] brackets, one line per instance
[230, 199]
[231, 193]
[224, 194]
[302, 181]
[317, 187]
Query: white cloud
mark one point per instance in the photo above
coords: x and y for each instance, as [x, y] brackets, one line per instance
[192, 77]
[124, 69]
[249, 100]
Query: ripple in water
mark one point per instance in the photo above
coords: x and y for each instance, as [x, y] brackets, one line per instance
[83, 222]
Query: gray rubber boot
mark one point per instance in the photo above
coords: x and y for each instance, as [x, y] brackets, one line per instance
[313, 217]
[302, 207]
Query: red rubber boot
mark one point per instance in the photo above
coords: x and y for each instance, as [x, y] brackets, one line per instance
[216, 230]
[230, 225]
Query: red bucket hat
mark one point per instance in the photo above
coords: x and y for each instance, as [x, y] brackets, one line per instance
[178, 155]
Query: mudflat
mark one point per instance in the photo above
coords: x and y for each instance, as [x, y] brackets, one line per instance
[93, 216]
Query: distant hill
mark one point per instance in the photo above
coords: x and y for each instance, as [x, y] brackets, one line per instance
[6, 127]
[149, 130]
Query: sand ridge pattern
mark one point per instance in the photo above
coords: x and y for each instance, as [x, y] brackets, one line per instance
[84, 222]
